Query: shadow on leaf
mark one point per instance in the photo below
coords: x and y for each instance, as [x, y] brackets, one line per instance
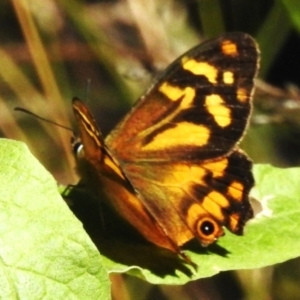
[117, 240]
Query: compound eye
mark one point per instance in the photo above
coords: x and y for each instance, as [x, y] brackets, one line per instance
[208, 230]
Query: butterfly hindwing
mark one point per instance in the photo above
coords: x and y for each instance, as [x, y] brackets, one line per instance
[196, 200]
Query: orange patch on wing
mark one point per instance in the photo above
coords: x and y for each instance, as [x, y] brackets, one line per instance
[200, 68]
[187, 133]
[194, 212]
[218, 198]
[217, 108]
[213, 207]
[234, 221]
[242, 95]
[228, 77]
[229, 48]
[217, 167]
[175, 93]
[235, 190]
[182, 175]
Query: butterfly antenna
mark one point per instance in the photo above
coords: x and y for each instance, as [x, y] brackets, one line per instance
[41, 118]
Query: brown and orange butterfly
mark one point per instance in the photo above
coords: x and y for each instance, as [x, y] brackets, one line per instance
[172, 167]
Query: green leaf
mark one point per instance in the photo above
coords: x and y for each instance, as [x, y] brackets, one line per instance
[45, 253]
[271, 237]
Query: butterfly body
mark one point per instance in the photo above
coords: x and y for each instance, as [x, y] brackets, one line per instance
[172, 167]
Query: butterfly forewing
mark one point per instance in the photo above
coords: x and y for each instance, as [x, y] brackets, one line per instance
[198, 108]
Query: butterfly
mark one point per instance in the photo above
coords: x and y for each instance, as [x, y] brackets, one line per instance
[172, 167]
